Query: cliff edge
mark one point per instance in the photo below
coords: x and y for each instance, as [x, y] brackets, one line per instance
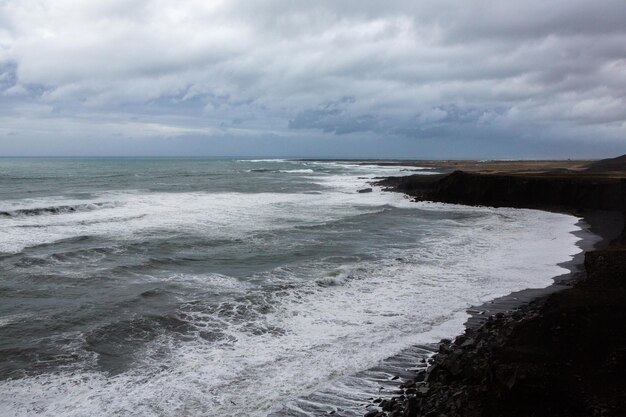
[562, 356]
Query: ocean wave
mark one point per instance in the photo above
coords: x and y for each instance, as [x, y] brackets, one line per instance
[335, 278]
[296, 171]
[62, 209]
[262, 160]
[206, 298]
[282, 171]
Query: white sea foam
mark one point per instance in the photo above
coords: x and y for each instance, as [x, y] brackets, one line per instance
[325, 331]
[296, 171]
[326, 323]
[263, 160]
[219, 215]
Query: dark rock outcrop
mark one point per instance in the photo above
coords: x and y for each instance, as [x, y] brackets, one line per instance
[564, 355]
[570, 193]
[608, 165]
[529, 191]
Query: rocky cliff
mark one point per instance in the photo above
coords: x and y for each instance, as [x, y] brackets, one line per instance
[563, 356]
[570, 193]
[573, 192]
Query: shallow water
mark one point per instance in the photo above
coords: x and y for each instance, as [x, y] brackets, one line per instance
[199, 287]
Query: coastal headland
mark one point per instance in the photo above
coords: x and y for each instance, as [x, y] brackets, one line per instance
[562, 353]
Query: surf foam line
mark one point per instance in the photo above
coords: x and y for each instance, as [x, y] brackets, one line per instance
[291, 336]
[123, 215]
[326, 332]
[225, 215]
[351, 396]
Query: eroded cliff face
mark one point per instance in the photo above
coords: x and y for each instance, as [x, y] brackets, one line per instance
[575, 192]
[563, 356]
[572, 192]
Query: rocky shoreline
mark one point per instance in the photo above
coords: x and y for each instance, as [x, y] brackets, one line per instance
[562, 354]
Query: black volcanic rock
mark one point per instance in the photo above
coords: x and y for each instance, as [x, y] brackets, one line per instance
[531, 191]
[543, 191]
[549, 191]
[562, 356]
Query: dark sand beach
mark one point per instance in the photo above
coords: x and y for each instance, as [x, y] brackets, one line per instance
[560, 351]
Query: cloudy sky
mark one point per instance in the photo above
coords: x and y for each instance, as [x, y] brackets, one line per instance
[393, 78]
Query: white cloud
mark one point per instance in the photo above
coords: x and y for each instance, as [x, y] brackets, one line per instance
[266, 63]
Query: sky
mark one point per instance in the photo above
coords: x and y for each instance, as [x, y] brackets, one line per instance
[324, 78]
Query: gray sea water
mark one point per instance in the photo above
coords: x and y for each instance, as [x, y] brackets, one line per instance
[199, 287]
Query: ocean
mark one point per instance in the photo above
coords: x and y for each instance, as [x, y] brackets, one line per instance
[204, 287]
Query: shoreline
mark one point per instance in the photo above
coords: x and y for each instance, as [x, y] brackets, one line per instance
[461, 380]
[590, 239]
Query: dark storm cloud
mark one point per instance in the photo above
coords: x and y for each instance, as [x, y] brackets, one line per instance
[494, 72]
[334, 117]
